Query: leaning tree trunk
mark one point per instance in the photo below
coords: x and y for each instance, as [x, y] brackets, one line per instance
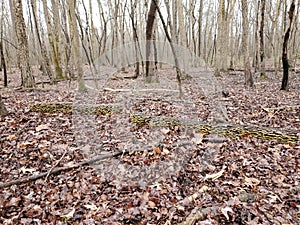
[248, 74]
[285, 61]
[23, 49]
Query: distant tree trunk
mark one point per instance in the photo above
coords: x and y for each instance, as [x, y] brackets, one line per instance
[256, 58]
[3, 63]
[285, 61]
[23, 49]
[74, 34]
[2, 58]
[103, 21]
[248, 74]
[200, 27]
[135, 37]
[149, 35]
[3, 110]
[178, 73]
[45, 60]
[175, 22]
[181, 26]
[219, 47]
[53, 37]
[262, 42]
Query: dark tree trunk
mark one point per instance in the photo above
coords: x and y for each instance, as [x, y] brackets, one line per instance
[262, 43]
[285, 61]
[3, 64]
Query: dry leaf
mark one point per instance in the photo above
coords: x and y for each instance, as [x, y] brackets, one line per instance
[42, 127]
[226, 210]
[68, 215]
[198, 138]
[252, 181]
[151, 204]
[274, 198]
[156, 151]
[11, 137]
[165, 130]
[91, 207]
[25, 144]
[24, 170]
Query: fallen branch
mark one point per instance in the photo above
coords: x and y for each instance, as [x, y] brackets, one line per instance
[139, 90]
[58, 170]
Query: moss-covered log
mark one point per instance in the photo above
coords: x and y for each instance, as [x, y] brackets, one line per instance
[227, 130]
[68, 107]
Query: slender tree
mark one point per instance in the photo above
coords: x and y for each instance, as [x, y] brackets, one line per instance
[262, 39]
[285, 61]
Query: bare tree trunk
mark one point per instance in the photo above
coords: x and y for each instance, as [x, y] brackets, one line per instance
[285, 61]
[175, 22]
[149, 35]
[3, 62]
[181, 25]
[53, 38]
[74, 33]
[23, 50]
[262, 41]
[248, 74]
[135, 37]
[178, 73]
[200, 27]
[220, 34]
[45, 60]
[3, 110]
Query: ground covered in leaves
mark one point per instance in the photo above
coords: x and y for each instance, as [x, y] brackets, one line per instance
[240, 181]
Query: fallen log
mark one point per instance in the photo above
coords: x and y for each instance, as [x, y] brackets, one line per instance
[227, 130]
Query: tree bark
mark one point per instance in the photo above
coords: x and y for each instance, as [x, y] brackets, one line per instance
[149, 34]
[27, 77]
[200, 27]
[3, 110]
[285, 61]
[45, 59]
[248, 74]
[262, 41]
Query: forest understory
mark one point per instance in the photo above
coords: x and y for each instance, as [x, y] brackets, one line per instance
[241, 180]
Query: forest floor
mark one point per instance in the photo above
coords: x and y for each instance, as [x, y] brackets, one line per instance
[245, 180]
